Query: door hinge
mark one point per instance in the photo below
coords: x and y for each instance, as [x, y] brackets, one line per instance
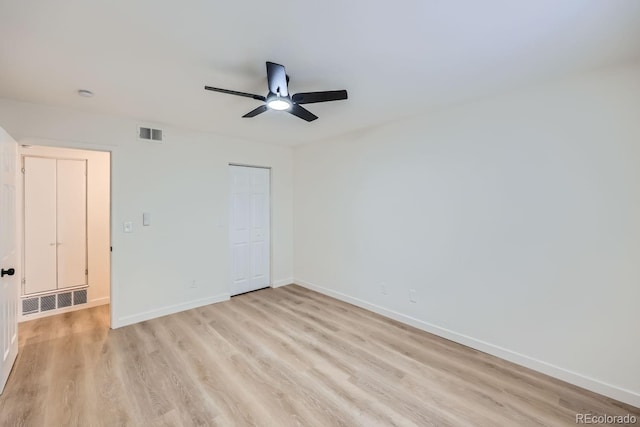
[86, 271]
[22, 170]
[24, 281]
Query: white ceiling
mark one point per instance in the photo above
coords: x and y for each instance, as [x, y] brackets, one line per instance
[150, 59]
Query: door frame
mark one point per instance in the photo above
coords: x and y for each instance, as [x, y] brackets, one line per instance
[248, 165]
[113, 198]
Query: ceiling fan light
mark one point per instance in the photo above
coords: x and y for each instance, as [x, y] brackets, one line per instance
[279, 104]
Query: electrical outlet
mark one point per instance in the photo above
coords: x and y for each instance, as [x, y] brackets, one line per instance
[413, 296]
[127, 227]
[194, 284]
[383, 288]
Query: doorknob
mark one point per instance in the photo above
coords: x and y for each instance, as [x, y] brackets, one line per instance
[9, 272]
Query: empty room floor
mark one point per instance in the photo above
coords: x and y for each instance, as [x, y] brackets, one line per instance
[275, 357]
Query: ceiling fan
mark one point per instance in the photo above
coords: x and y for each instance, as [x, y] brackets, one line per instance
[278, 97]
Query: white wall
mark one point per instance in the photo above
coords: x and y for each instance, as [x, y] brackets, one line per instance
[516, 220]
[98, 222]
[184, 184]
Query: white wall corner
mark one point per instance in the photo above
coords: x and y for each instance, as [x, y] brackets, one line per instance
[282, 282]
[614, 392]
[167, 310]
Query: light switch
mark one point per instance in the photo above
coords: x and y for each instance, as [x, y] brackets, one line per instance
[127, 227]
[146, 218]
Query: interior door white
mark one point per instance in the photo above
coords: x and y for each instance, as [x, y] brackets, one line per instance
[8, 257]
[40, 263]
[260, 228]
[72, 222]
[250, 229]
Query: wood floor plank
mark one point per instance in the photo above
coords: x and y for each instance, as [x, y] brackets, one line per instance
[412, 360]
[222, 373]
[32, 387]
[113, 407]
[536, 388]
[326, 370]
[276, 357]
[272, 366]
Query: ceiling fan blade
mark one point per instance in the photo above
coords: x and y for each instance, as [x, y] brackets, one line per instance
[302, 112]
[313, 97]
[261, 109]
[235, 92]
[277, 77]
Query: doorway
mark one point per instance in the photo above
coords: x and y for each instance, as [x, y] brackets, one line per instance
[65, 230]
[250, 228]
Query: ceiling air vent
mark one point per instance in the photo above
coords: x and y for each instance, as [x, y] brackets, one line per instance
[150, 134]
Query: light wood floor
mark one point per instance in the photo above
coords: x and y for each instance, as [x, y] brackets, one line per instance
[276, 357]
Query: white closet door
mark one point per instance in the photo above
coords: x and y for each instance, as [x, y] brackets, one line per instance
[249, 229]
[72, 223]
[260, 232]
[240, 222]
[39, 224]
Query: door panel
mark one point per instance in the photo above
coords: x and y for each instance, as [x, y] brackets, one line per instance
[249, 229]
[39, 224]
[240, 230]
[8, 257]
[72, 222]
[241, 268]
[260, 228]
[260, 265]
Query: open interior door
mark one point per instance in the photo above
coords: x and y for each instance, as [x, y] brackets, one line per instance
[9, 282]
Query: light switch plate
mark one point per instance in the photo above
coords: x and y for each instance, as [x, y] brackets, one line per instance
[146, 218]
[127, 227]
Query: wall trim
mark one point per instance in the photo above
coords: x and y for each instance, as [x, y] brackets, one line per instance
[283, 282]
[580, 380]
[93, 303]
[164, 311]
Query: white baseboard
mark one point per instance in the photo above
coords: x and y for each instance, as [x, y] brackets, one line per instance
[164, 311]
[283, 282]
[93, 303]
[580, 380]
